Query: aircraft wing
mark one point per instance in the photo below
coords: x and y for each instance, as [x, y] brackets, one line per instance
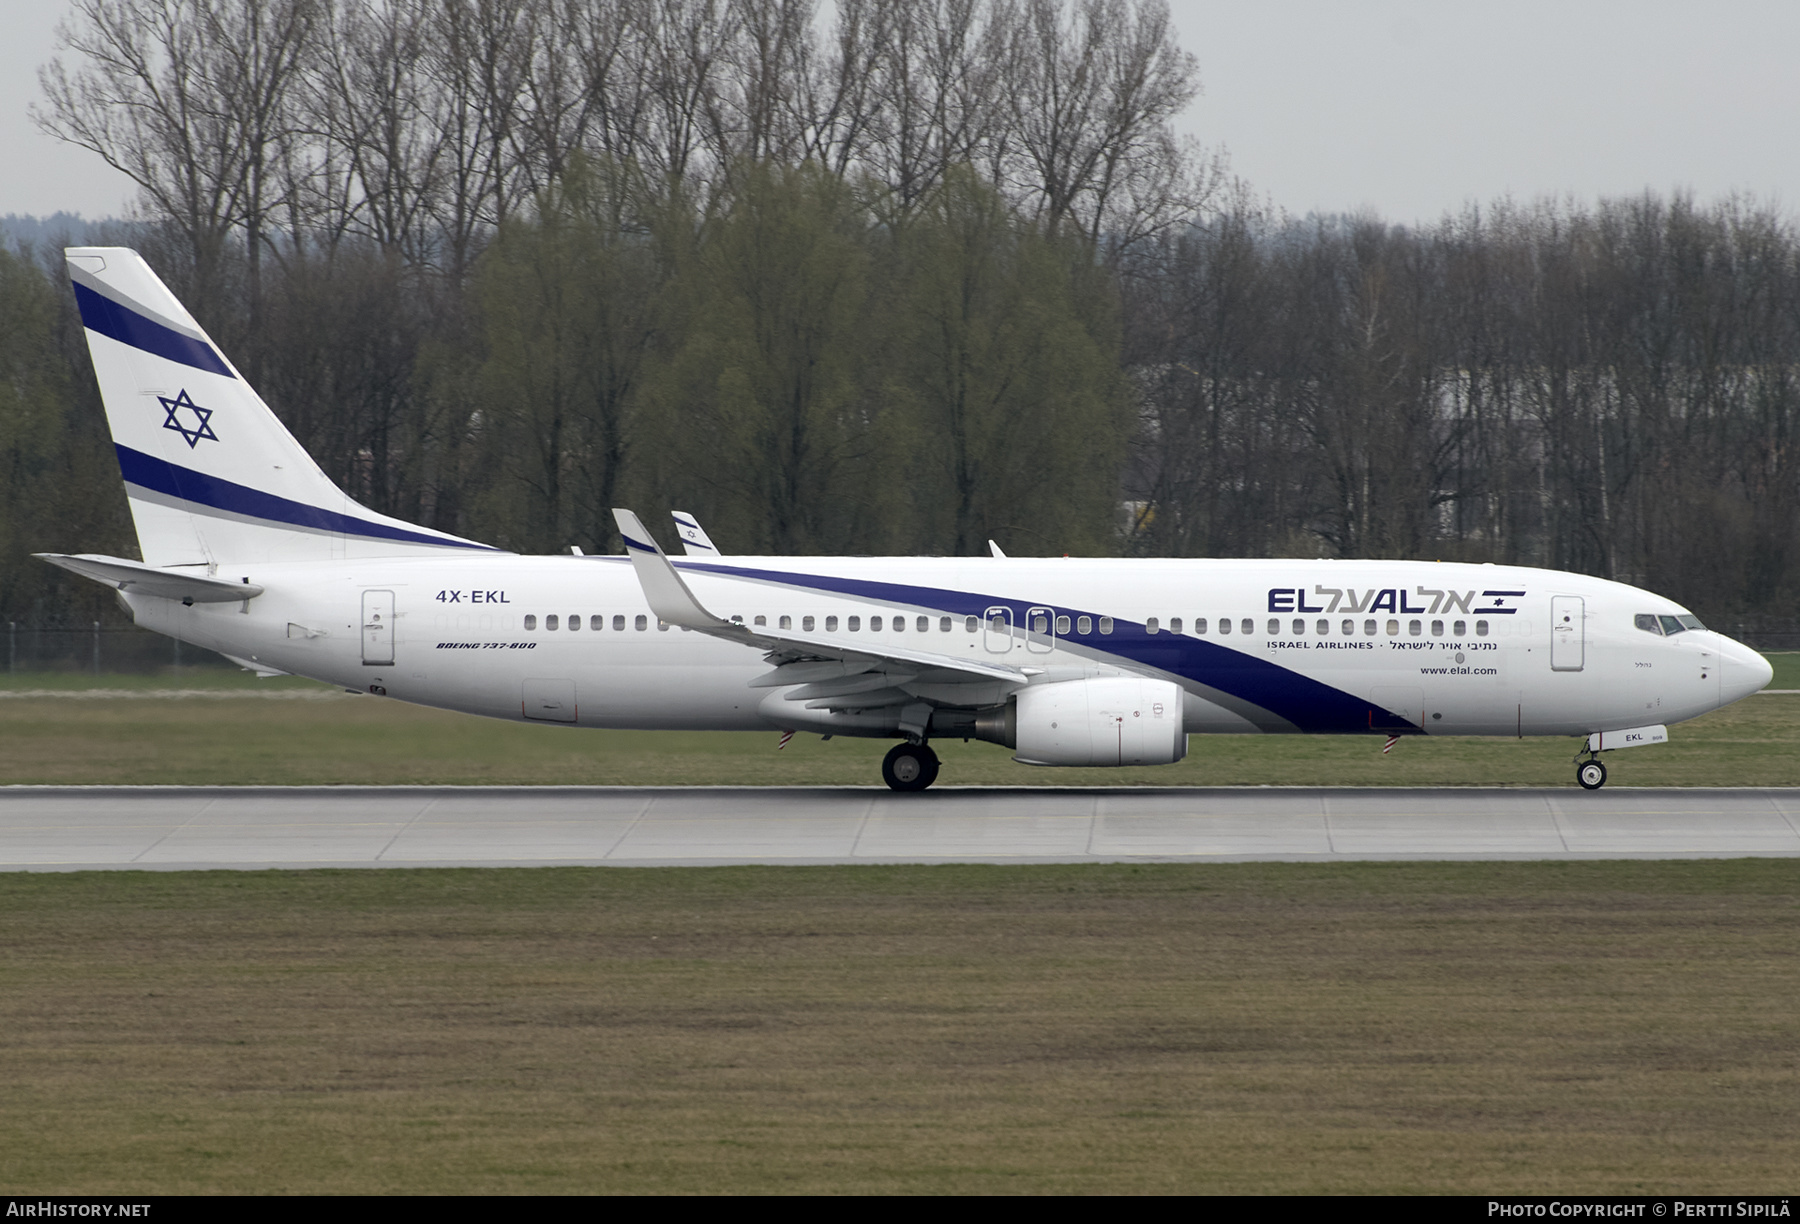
[124, 575]
[827, 664]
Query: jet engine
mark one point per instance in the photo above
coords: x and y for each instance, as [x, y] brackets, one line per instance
[1115, 720]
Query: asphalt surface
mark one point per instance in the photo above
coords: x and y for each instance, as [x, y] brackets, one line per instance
[168, 828]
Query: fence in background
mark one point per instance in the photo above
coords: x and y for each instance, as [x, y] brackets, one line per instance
[1763, 632]
[100, 649]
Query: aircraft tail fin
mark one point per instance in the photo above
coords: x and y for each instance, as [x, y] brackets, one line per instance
[211, 473]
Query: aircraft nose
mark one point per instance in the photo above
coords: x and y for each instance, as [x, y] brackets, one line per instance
[1745, 671]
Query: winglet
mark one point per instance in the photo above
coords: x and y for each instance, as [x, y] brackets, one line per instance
[694, 540]
[666, 593]
[995, 550]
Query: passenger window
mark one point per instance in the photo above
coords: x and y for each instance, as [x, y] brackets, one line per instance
[1174, 624]
[550, 621]
[641, 623]
[531, 622]
[1368, 628]
[662, 626]
[1274, 626]
[1084, 624]
[1460, 628]
[1040, 622]
[1224, 624]
[574, 622]
[1323, 627]
[831, 624]
[943, 624]
[618, 624]
[763, 621]
[1414, 628]
[1150, 625]
[1106, 624]
[923, 624]
[1437, 628]
[971, 623]
[596, 623]
[1248, 625]
[899, 624]
[1393, 628]
[1200, 625]
[786, 622]
[1480, 628]
[1062, 624]
[874, 624]
[806, 624]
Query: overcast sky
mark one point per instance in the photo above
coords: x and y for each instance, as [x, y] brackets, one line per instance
[1405, 109]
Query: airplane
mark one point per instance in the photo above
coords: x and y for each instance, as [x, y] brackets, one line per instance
[248, 549]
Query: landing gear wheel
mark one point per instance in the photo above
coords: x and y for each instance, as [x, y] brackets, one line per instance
[909, 767]
[1591, 775]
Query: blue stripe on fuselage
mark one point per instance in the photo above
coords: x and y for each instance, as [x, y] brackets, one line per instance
[1308, 704]
[160, 476]
[101, 314]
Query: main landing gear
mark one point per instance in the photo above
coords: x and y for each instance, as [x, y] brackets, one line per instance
[909, 767]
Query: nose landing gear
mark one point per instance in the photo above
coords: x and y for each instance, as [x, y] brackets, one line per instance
[1590, 773]
[909, 767]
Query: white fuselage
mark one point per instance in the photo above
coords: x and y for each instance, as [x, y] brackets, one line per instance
[1314, 646]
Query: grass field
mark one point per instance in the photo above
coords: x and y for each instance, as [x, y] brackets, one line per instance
[1468, 1028]
[1462, 1028]
[315, 734]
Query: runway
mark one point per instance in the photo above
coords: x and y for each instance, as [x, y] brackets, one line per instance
[173, 828]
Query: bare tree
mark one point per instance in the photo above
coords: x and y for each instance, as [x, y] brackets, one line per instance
[194, 100]
[1092, 93]
[937, 89]
[374, 111]
[480, 58]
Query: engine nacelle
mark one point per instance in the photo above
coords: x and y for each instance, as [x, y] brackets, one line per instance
[1114, 720]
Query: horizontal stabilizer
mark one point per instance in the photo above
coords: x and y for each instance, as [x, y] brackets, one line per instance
[141, 579]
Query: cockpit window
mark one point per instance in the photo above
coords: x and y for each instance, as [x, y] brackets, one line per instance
[1648, 623]
[1690, 622]
[1671, 624]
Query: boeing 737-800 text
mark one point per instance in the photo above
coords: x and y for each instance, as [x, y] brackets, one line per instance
[250, 550]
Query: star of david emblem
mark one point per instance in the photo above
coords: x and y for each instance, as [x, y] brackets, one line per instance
[202, 428]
